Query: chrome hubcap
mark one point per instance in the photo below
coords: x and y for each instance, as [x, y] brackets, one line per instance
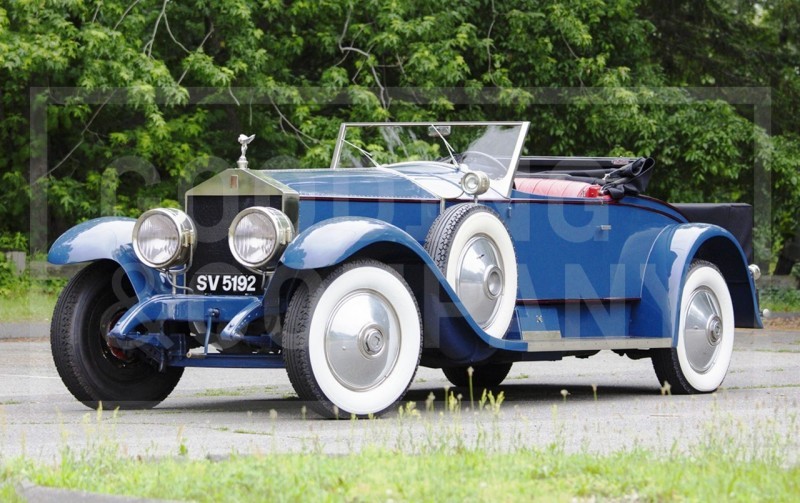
[479, 279]
[703, 330]
[371, 341]
[714, 330]
[362, 340]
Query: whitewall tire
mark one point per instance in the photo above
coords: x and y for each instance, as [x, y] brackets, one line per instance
[700, 360]
[352, 345]
[473, 249]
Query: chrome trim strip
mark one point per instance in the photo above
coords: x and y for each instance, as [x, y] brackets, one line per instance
[558, 302]
[508, 180]
[514, 158]
[337, 149]
[594, 343]
[250, 183]
[542, 336]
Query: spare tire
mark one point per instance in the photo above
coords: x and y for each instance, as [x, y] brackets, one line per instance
[473, 249]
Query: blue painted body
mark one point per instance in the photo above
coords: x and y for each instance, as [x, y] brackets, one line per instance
[108, 238]
[587, 268]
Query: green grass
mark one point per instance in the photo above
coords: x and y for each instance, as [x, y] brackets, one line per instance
[27, 306]
[731, 461]
[376, 474]
[781, 300]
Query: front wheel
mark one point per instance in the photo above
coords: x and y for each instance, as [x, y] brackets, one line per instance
[700, 360]
[352, 345]
[92, 370]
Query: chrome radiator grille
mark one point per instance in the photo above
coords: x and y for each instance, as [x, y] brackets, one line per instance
[212, 216]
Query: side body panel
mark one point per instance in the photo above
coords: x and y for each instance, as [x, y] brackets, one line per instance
[580, 264]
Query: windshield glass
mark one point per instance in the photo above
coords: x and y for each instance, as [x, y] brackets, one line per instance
[489, 147]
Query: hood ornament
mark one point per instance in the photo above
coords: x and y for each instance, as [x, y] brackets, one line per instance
[244, 140]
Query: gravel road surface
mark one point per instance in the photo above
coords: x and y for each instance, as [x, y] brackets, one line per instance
[216, 412]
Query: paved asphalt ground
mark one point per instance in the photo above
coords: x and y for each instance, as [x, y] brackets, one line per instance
[216, 412]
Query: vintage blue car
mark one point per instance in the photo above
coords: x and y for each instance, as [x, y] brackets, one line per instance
[434, 244]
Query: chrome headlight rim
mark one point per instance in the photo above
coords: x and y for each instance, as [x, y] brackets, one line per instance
[284, 234]
[186, 236]
[475, 183]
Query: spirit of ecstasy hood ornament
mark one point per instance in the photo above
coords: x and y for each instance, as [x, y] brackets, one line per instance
[244, 140]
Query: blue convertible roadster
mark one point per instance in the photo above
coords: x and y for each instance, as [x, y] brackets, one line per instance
[434, 244]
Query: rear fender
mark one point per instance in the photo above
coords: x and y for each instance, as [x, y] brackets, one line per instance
[657, 315]
[446, 323]
[108, 238]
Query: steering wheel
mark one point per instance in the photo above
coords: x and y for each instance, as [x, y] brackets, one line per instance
[495, 169]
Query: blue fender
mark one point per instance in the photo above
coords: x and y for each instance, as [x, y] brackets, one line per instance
[333, 241]
[447, 324]
[108, 238]
[658, 313]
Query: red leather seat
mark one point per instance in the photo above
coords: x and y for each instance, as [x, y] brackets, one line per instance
[557, 188]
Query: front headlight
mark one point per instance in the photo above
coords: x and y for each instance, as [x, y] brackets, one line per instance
[164, 238]
[475, 183]
[258, 235]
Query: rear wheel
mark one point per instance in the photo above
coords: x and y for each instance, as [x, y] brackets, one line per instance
[483, 376]
[92, 370]
[700, 360]
[352, 345]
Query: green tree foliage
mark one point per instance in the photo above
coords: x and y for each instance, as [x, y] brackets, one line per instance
[742, 44]
[165, 87]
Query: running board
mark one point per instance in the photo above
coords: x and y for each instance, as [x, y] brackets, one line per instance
[544, 341]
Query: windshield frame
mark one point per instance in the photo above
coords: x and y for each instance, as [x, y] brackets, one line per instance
[500, 185]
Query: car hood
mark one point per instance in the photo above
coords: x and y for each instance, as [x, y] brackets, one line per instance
[362, 183]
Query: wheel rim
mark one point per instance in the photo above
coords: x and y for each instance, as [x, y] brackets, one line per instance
[108, 319]
[362, 340]
[479, 279]
[704, 330]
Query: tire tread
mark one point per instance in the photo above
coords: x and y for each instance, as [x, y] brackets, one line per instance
[483, 376]
[74, 363]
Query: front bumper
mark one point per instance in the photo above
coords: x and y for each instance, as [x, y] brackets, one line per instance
[165, 349]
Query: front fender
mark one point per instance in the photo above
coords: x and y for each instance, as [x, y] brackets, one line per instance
[108, 238]
[657, 315]
[447, 324]
[333, 241]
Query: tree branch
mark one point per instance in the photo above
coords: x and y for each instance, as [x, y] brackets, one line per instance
[185, 71]
[125, 14]
[489, 45]
[348, 49]
[96, 11]
[148, 47]
[85, 128]
[297, 132]
[166, 23]
[577, 58]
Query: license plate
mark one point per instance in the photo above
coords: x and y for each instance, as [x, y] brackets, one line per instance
[229, 283]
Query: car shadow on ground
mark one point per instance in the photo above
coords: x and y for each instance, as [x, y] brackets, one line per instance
[537, 392]
[531, 394]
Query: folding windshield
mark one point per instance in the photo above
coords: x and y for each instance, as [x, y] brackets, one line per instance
[491, 147]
